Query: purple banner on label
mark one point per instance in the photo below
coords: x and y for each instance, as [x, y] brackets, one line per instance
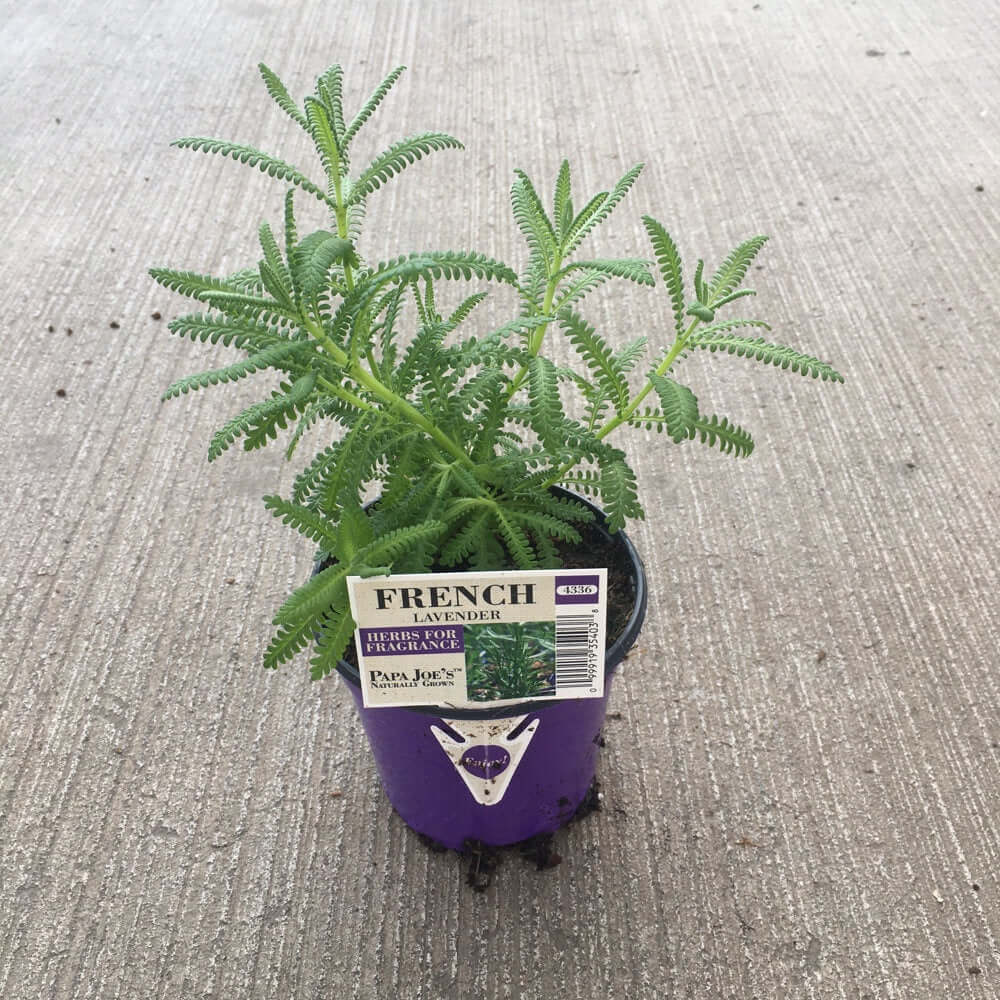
[417, 640]
[578, 589]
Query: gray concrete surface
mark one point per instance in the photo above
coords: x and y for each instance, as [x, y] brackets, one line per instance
[802, 785]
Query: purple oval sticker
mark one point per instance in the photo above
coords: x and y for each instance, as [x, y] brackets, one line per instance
[485, 761]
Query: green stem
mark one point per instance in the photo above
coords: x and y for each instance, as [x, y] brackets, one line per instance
[661, 369]
[384, 393]
[538, 334]
[342, 229]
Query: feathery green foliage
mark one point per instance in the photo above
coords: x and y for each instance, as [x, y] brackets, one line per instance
[462, 436]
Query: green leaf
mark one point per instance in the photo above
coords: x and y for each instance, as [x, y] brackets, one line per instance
[562, 203]
[267, 164]
[669, 261]
[544, 525]
[633, 268]
[335, 633]
[730, 438]
[389, 547]
[598, 209]
[280, 95]
[515, 538]
[733, 269]
[189, 283]
[273, 270]
[772, 354]
[531, 218]
[259, 421]
[325, 139]
[582, 284]
[396, 158]
[371, 104]
[326, 590]
[307, 522]
[679, 405]
[599, 357]
[287, 642]
[626, 357]
[355, 532]
[315, 255]
[619, 496]
[442, 264]
[242, 333]
[462, 312]
[330, 88]
[291, 229]
[270, 357]
[544, 401]
[465, 540]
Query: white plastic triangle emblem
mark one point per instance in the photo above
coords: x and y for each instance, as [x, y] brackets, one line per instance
[486, 757]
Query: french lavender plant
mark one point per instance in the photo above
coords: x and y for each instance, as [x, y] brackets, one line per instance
[463, 438]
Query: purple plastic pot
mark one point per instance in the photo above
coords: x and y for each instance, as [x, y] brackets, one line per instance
[503, 774]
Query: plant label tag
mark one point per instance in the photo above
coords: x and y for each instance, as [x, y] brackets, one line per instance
[471, 640]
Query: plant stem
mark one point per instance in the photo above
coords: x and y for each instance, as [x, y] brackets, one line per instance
[342, 230]
[661, 369]
[383, 392]
[538, 334]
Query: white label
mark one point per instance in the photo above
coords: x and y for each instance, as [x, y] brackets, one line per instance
[464, 640]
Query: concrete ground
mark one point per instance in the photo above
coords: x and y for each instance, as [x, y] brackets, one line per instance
[802, 780]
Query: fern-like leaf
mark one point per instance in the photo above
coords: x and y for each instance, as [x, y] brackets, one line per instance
[733, 269]
[389, 547]
[330, 88]
[264, 162]
[466, 307]
[679, 405]
[271, 357]
[324, 137]
[633, 268]
[443, 264]
[371, 104]
[308, 522]
[626, 356]
[617, 488]
[315, 255]
[562, 203]
[581, 286]
[544, 526]
[189, 283]
[544, 401]
[729, 437]
[396, 158]
[287, 642]
[598, 209]
[669, 260]
[242, 333]
[327, 589]
[280, 95]
[516, 539]
[334, 634]
[259, 421]
[529, 214]
[772, 354]
[598, 355]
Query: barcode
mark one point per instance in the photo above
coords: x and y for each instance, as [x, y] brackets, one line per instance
[573, 668]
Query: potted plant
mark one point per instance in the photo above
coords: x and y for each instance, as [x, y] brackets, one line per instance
[485, 456]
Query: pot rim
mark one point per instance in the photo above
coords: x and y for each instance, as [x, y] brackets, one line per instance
[613, 655]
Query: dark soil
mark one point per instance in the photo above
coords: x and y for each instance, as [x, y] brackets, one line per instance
[484, 859]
